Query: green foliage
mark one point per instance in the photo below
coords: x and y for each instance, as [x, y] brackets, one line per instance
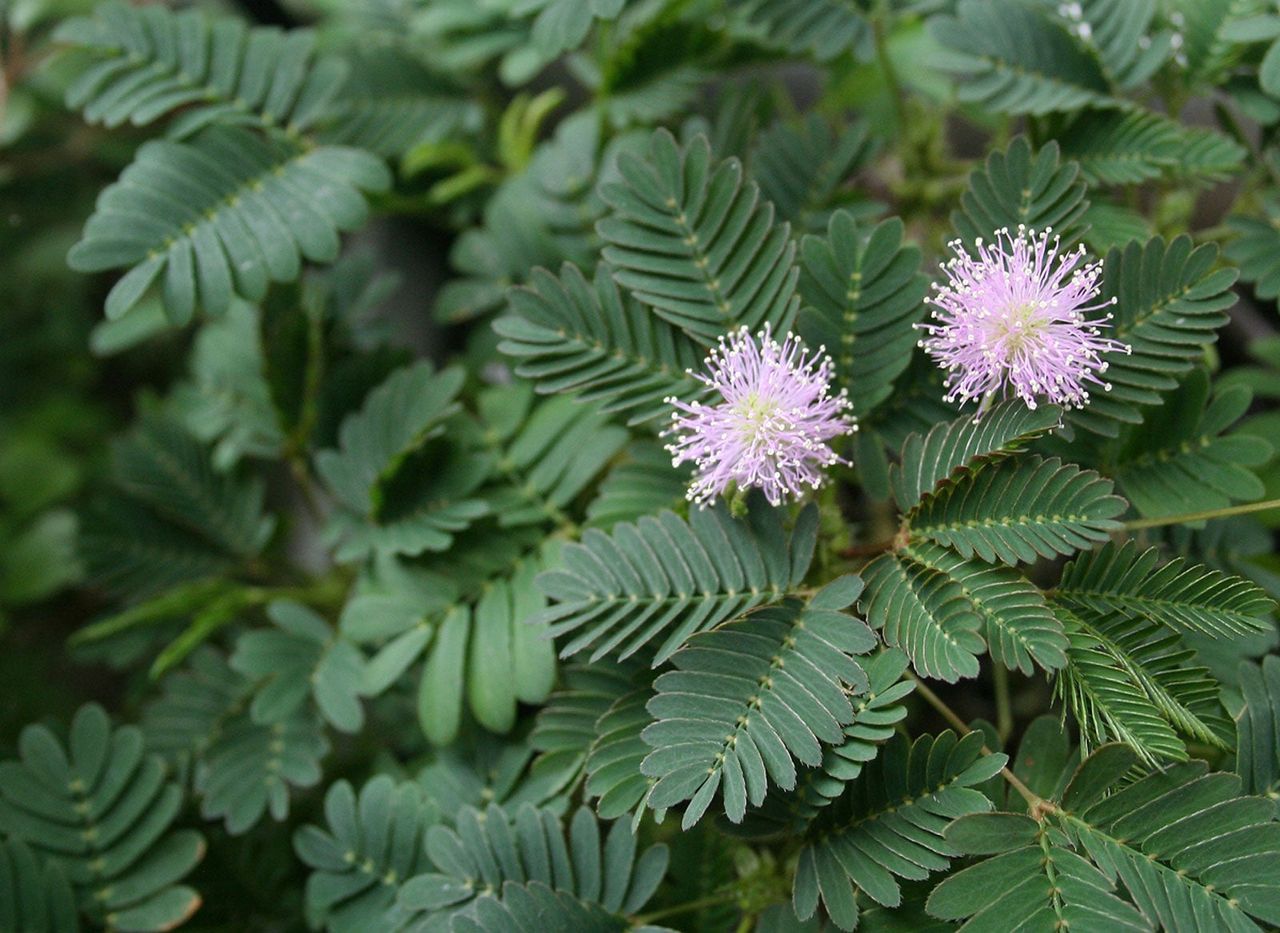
[889, 824]
[326, 533]
[1134, 582]
[1257, 747]
[1135, 681]
[862, 291]
[1170, 301]
[374, 842]
[1016, 189]
[518, 860]
[1162, 843]
[748, 699]
[664, 578]
[34, 896]
[391, 437]
[101, 810]
[150, 62]
[692, 239]
[1018, 60]
[1017, 510]
[571, 336]
[805, 198]
[824, 28]
[221, 215]
[1178, 459]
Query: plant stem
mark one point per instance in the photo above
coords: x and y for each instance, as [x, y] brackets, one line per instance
[1004, 708]
[1202, 516]
[1035, 803]
[711, 900]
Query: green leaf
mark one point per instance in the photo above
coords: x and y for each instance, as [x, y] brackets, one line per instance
[889, 824]
[663, 578]
[615, 777]
[223, 215]
[1015, 189]
[1019, 509]
[34, 895]
[1117, 148]
[1187, 850]
[564, 731]
[1170, 302]
[392, 102]
[102, 809]
[1192, 599]
[1258, 728]
[824, 29]
[162, 465]
[526, 854]
[952, 448]
[749, 699]
[372, 845]
[863, 295]
[829, 156]
[692, 239]
[1019, 628]
[545, 455]
[561, 25]
[1035, 880]
[302, 657]
[643, 483]
[925, 613]
[1180, 459]
[377, 444]
[145, 63]
[1016, 59]
[1119, 34]
[572, 336]
[243, 769]
[1255, 249]
[1129, 680]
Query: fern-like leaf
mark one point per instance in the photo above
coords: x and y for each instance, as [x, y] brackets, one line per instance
[222, 215]
[491, 852]
[1181, 459]
[572, 336]
[1258, 729]
[953, 446]
[863, 295]
[147, 62]
[643, 483]
[1187, 850]
[35, 896]
[1018, 60]
[397, 420]
[691, 238]
[545, 455]
[750, 698]
[889, 824]
[925, 613]
[1020, 509]
[102, 809]
[1135, 682]
[823, 28]
[1193, 599]
[1020, 629]
[829, 158]
[663, 578]
[1170, 301]
[1018, 188]
[373, 843]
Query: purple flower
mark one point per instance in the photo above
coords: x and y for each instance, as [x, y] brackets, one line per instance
[769, 429]
[1014, 318]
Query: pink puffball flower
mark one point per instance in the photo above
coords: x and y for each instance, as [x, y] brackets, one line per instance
[1018, 318]
[770, 428]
